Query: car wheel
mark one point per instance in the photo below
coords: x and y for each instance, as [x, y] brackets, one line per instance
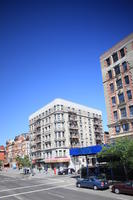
[117, 191]
[95, 187]
[78, 185]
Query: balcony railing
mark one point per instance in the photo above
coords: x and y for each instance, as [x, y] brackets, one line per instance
[98, 138]
[37, 126]
[59, 129]
[47, 140]
[38, 149]
[59, 120]
[73, 127]
[73, 136]
[38, 133]
[38, 140]
[33, 144]
[96, 122]
[72, 119]
[75, 145]
[60, 138]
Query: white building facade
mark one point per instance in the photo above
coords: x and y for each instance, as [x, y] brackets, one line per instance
[59, 126]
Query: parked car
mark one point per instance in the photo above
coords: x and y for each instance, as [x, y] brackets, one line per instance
[126, 187]
[93, 182]
[66, 171]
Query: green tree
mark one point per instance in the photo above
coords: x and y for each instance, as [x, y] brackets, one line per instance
[23, 162]
[119, 154]
[19, 161]
[26, 161]
[1, 164]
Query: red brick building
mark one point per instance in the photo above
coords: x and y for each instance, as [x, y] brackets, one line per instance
[20, 146]
[106, 137]
[117, 73]
[2, 153]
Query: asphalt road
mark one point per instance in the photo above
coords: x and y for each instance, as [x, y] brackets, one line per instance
[50, 188]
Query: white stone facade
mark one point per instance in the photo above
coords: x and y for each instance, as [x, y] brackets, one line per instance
[59, 126]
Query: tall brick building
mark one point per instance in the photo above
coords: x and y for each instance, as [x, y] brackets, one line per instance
[117, 73]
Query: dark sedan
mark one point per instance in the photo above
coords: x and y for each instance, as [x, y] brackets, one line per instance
[126, 187]
[66, 171]
[93, 182]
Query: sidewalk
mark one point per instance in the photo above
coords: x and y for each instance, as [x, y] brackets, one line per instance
[11, 172]
[15, 173]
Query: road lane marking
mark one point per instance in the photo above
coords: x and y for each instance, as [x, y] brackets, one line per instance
[34, 191]
[10, 180]
[56, 195]
[30, 186]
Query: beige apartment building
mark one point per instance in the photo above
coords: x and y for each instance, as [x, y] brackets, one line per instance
[117, 73]
[59, 126]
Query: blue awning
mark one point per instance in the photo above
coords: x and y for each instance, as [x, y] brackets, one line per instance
[91, 150]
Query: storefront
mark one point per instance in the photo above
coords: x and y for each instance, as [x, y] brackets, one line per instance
[57, 163]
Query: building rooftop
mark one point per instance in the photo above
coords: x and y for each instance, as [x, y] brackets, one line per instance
[116, 47]
[59, 101]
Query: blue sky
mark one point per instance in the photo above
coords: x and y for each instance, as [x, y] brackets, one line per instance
[51, 49]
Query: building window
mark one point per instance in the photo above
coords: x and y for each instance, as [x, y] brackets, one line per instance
[110, 74]
[112, 87]
[126, 79]
[131, 110]
[122, 52]
[117, 129]
[121, 98]
[108, 61]
[119, 84]
[63, 143]
[115, 57]
[56, 144]
[59, 143]
[124, 64]
[56, 153]
[60, 153]
[58, 107]
[115, 115]
[125, 127]
[117, 70]
[113, 101]
[123, 112]
[129, 94]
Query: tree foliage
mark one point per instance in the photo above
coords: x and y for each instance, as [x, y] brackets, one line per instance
[119, 153]
[23, 162]
[1, 164]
